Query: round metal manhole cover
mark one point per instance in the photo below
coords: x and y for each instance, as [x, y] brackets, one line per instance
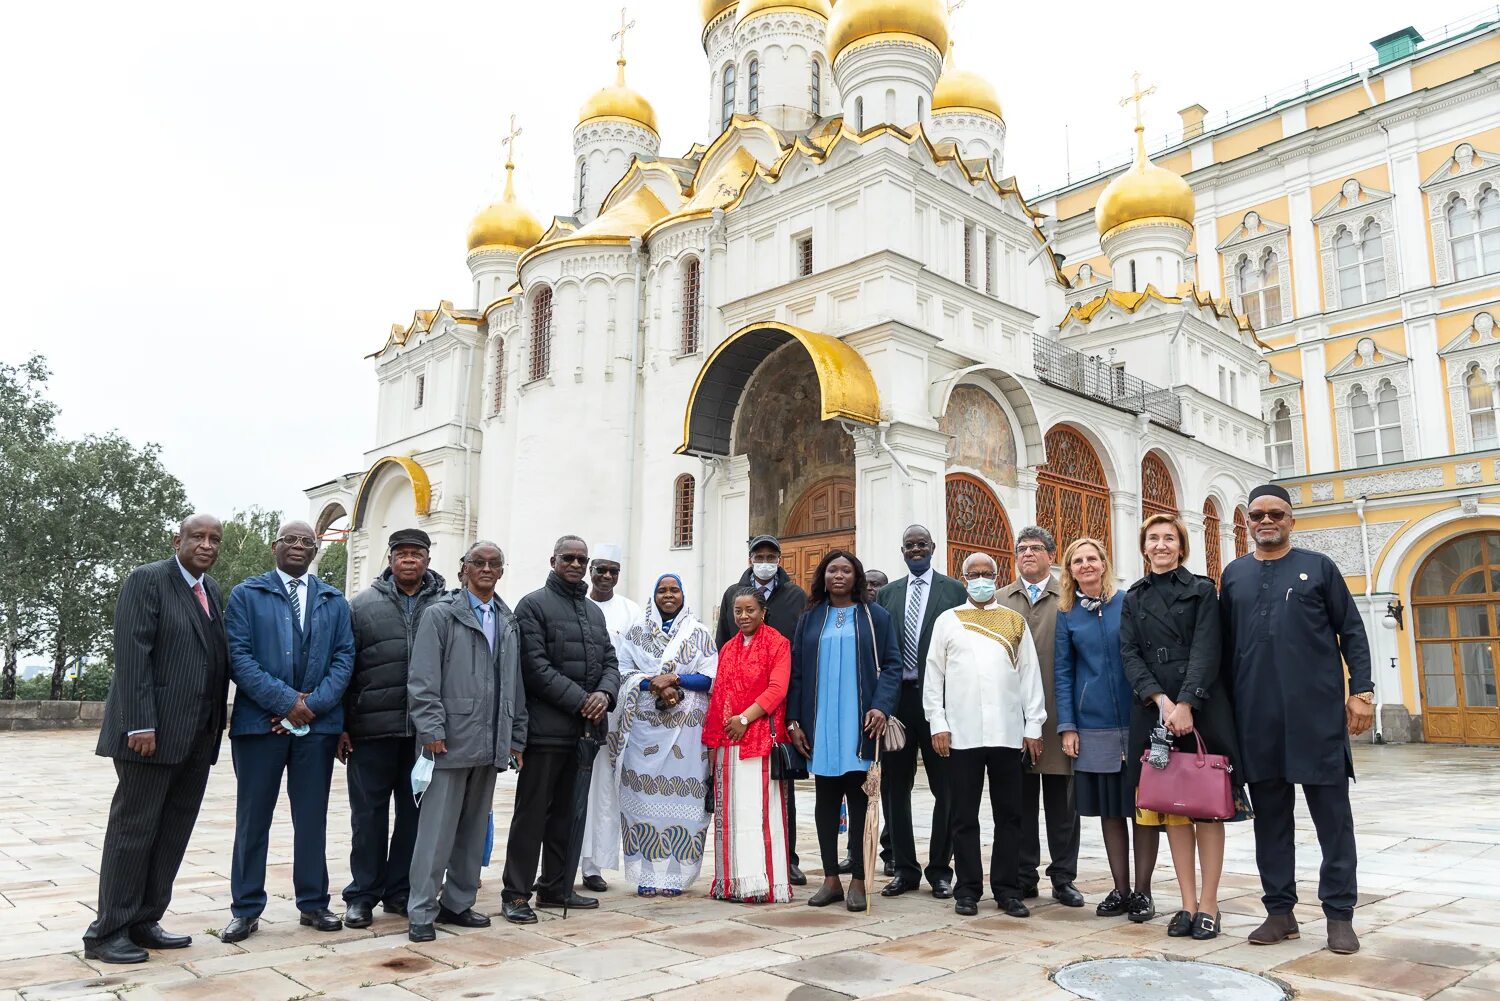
[1155, 979]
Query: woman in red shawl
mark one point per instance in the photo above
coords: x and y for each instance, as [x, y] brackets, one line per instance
[745, 714]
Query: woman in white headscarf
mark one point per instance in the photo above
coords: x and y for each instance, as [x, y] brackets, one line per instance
[666, 675]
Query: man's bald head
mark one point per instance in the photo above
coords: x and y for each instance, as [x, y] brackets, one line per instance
[295, 547]
[980, 561]
[196, 543]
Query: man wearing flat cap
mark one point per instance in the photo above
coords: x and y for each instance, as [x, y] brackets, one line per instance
[378, 745]
[1291, 634]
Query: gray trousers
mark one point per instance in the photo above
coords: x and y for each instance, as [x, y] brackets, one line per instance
[451, 827]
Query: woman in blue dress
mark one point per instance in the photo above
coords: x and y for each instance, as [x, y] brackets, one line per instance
[846, 679]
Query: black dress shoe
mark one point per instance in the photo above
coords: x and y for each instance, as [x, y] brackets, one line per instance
[794, 876]
[397, 906]
[1014, 907]
[1205, 926]
[239, 929]
[324, 920]
[116, 949]
[898, 886]
[357, 915]
[942, 888]
[846, 866]
[1142, 908]
[595, 884]
[1067, 894]
[573, 902]
[826, 895]
[856, 901]
[1181, 925]
[1111, 906]
[518, 912]
[965, 908]
[154, 936]
[889, 868]
[469, 918]
[1030, 893]
[421, 933]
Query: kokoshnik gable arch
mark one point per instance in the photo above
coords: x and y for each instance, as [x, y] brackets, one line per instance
[844, 380]
[421, 487]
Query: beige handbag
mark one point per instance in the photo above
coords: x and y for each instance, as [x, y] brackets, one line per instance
[895, 730]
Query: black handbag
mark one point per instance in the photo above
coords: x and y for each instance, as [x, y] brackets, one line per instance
[787, 763]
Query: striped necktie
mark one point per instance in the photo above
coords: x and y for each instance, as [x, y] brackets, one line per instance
[292, 586]
[913, 629]
[1035, 591]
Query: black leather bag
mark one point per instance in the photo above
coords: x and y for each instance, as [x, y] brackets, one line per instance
[787, 764]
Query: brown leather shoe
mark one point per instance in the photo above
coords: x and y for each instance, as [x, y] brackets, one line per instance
[1276, 928]
[1341, 937]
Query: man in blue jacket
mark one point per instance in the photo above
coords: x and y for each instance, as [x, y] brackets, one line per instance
[291, 652]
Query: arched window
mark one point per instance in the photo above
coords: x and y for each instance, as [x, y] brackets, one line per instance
[859, 114]
[497, 381]
[1134, 287]
[1158, 494]
[1213, 555]
[754, 86]
[692, 305]
[1241, 532]
[1455, 607]
[541, 333]
[1474, 235]
[1360, 264]
[1260, 289]
[583, 181]
[1279, 441]
[817, 90]
[1072, 496]
[977, 524]
[1481, 396]
[682, 512]
[727, 104]
[1376, 423]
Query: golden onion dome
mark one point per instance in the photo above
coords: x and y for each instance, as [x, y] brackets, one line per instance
[960, 90]
[619, 101]
[822, 8]
[1145, 191]
[855, 20]
[505, 224]
[713, 8]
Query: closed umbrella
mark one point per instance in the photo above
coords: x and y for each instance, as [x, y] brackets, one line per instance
[872, 822]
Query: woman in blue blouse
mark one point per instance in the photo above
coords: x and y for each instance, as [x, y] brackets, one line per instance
[1094, 700]
[846, 678]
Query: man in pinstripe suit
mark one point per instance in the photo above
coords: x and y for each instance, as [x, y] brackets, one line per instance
[162, 726]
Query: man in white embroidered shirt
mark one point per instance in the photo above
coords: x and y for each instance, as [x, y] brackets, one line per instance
[985, 705]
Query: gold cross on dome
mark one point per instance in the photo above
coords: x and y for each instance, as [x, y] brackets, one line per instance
[954, 5]
[620, 35]
[509, 142]
[1137, 97]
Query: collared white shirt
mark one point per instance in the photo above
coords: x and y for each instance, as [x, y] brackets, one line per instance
[286, 580]
[1041, 587]
[192, 581]
[920, 600]
[983, 682]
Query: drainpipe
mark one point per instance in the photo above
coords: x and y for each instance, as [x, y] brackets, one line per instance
[632, 406]
[1364, 538]
[710, 469]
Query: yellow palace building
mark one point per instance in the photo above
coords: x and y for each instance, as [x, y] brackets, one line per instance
[1355, 221]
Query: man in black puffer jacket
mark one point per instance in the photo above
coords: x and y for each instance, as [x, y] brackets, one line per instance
[378, 745]
[572, 677]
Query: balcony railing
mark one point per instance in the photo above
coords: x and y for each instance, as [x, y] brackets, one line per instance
[1096, 379]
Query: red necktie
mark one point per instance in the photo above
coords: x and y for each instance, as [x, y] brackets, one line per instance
[202, 598]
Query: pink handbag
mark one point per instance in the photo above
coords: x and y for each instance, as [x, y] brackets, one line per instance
[1193, 784]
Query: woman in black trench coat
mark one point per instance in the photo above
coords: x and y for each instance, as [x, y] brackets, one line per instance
[1169, 639]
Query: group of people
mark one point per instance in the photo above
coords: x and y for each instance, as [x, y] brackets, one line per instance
[639, 733]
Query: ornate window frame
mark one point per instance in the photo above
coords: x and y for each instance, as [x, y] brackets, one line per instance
[1478, 344]
[1465, 174]
[1276, 385]
[1250, 240]
[1353, 208]
[1368, 365]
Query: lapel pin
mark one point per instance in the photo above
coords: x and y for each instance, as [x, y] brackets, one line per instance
[1303, 576]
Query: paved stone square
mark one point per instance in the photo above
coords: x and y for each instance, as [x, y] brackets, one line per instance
[1429, 836]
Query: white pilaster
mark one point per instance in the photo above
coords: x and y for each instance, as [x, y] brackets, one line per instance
[1304, 240]
[1315, 416]
[899, 480]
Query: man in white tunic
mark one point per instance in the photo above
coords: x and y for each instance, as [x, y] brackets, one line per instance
[601, 832]
[985, 704]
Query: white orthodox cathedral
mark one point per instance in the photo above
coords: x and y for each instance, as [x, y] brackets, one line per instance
[833, 317]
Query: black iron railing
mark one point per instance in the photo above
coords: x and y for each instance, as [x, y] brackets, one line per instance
[1096, 379]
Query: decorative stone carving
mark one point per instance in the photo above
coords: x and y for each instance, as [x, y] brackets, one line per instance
[1353, 208]
[1466, 472]
[1322, 491]
[1296, 495]
[1464, 175]
[1400, 481]
[1478, 346]
[1469, 504]
[1345, 546]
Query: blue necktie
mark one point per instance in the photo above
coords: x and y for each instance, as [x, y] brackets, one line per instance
[487, 623]
[1035, 590]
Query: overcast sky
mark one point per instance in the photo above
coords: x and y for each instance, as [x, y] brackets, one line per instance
[211, 212]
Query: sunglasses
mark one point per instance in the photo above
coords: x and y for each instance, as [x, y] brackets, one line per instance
[573, 560]
[1259, 516]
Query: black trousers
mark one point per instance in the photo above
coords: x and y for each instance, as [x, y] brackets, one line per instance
[966, 774]
[790, 808]
[1055, 794]
[541, 825]
[379, 859]
[831, 793]
[151, 819]
[898, 778]
[1275, 804]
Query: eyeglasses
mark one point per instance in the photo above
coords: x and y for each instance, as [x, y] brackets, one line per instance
[298, 540]
[1023, 550]
[1259, 516]
[572, 559]
[487, 564]
[980, 575]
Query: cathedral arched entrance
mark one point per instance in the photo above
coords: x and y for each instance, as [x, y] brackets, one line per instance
[821, 520]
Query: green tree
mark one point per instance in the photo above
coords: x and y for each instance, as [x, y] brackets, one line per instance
[29, 423]
[246, 550]
[333, 568]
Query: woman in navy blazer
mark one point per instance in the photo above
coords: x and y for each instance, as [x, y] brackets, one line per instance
[846, 680]
[1094, 702]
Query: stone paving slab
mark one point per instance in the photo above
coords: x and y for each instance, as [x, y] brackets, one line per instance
[1427, 818]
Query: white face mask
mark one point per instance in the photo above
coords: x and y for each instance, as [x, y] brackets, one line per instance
[421, 776]
[764, 571]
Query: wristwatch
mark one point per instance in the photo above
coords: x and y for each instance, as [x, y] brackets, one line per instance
[1368, 698]
[743, 720]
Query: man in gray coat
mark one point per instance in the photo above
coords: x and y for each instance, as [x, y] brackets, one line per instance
[467, 707]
